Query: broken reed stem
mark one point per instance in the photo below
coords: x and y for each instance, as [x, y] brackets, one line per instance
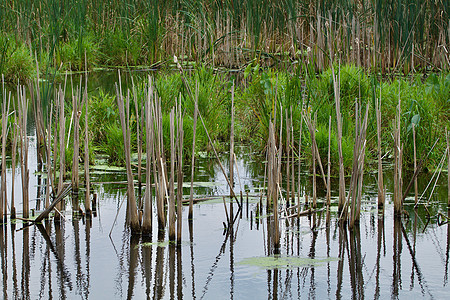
[25, 173]
[147, 213]
[125, 124]
[232, 139]
[273, 182]
[355, 165]
[292, 160]
[288, 150]
[381, 194]
[62, 148]
[299, 162]
[76, 150]
[397, 162]
[13, 166]
[448, 165]
[313, 139]
[160, 179]
[362, 153]
[139, 143]
[48, 152]
[194, 130]
[180, 139]
[172, 178]
[342, 207]
[416, 196]
[3, 191]
[87, 201]
[329, 164]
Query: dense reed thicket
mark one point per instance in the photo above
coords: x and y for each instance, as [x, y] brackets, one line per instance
[389, 36]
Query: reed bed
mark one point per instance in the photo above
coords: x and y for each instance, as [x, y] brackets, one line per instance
[387, 36]
[165, 149]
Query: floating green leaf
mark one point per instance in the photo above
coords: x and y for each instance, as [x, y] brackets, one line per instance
[285, 262]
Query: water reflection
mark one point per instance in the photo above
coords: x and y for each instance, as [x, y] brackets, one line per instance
[74, 257]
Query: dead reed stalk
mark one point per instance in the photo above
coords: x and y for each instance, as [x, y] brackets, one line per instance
[288, 150]
[416, 192]
[329, 165]
[22, 113]
[232, 139]
[125, 123]
[194, 130]
[448, 165]
[397, 163]
[172, 212]
[342, 206]
[62, 144]
[356, 181]
[273, 182]
[381, 194]
[180, 134]
[13, 166]
[3, 191]
[147, 213]
[87, 201]
[292, 162]
[48, 152]
[76, 149]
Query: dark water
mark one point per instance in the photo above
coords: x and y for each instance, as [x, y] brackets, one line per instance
[382, 258]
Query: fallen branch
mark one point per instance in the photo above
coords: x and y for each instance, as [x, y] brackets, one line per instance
[58, 199]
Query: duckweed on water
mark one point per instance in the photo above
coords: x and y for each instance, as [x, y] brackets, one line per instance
[285, 262]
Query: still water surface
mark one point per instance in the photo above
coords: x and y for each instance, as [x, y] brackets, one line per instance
[78, 259]
[93, 259]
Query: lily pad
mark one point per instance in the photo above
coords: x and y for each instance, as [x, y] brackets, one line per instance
[161, 244]
[107, 168]
[285, 262]
[202, 184]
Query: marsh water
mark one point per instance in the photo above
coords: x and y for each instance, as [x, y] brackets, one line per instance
[82, 258]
